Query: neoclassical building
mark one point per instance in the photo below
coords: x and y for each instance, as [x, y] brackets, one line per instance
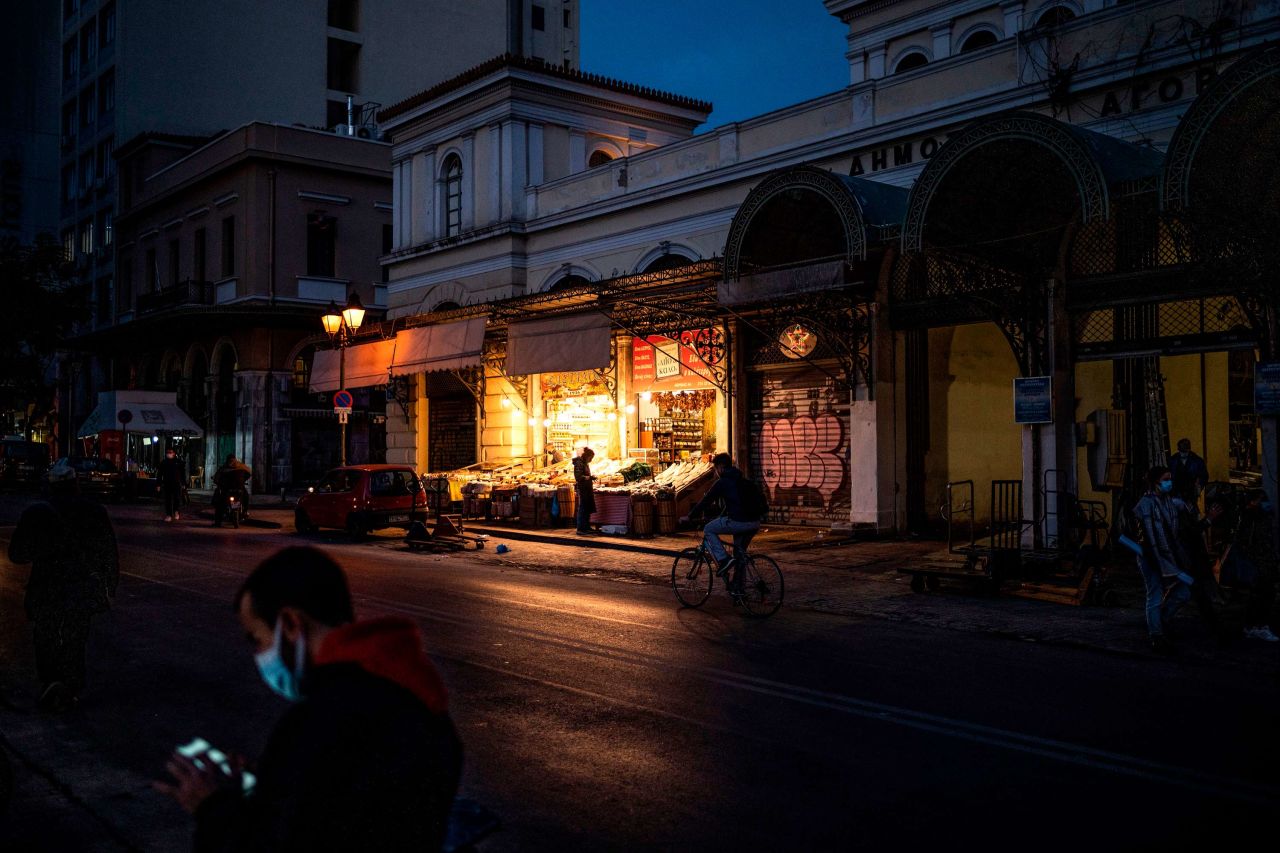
[842, 293]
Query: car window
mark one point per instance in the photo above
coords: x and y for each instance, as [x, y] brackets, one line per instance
[389, 483]
[335, 481]
[106, 466]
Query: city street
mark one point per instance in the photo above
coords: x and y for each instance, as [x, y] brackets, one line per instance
[598, 715]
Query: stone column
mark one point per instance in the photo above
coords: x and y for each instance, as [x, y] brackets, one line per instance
[251, 421]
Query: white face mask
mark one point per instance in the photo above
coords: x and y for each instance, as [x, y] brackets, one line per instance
[271, 666]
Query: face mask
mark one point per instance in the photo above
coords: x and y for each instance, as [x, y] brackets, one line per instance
[1166, 486]
[1184, 453]
[279, 677]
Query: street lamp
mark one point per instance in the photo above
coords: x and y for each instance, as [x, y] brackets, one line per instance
[341, 327]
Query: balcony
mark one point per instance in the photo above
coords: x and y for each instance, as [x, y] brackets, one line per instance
[180, 295]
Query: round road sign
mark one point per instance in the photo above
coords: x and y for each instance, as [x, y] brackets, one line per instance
[342, 400]
[124, 416]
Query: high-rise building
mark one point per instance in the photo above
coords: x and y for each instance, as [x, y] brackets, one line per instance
[28, 134]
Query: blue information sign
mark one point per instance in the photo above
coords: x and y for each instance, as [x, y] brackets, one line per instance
[1033, 400]
[1266, 388]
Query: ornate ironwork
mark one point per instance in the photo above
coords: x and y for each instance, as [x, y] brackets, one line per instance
[472, 379]
[826, 184]
[1042, 130]
[494, 358]
[1180, 158]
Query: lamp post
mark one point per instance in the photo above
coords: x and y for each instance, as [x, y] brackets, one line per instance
[341, 326]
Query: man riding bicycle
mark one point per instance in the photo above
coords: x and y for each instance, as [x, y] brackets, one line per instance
[740, 515]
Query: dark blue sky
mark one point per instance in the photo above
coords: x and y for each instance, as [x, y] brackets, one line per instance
[745, 56]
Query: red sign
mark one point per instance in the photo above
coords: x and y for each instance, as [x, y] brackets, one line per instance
[661, 364]
[643, 366]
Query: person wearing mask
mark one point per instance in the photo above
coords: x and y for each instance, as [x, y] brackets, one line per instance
[1163, 560]
[738, 517]
[75, 568]
[365, 758]
[230, 479]
[1190, 474]
[583, 486]
[171, 474]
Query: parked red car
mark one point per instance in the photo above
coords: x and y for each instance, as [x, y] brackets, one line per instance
[361, 498]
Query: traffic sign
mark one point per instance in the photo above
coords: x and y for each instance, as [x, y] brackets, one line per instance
[124, 416]
[342, 415]
[343, 400]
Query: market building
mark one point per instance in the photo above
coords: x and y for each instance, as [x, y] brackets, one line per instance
[851, 285]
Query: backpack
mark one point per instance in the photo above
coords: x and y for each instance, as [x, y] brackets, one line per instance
[752, 499]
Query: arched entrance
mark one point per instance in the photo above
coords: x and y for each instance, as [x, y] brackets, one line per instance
[979, 298]
[801, 264]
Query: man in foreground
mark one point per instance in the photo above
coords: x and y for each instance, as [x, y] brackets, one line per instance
[365, 759]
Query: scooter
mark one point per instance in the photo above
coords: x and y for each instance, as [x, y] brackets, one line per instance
[230, 507]
[235, 510]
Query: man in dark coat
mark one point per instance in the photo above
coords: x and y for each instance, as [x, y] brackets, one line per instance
[171, 475]
[75, 568]
[230, 479]
[1190, 474]
[736, 518]
[583, 484]
[366, 759]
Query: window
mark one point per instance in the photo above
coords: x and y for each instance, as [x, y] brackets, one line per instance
[152, 273]
[86, 237]
[301, 374]
[1055, 17]
[69, 9]
[228, 247]
[88, 43]
[102, 300]
[105, 227]
[86, 174]
[914, 59]
[175, 261]
[598, 158]
[68, 244]
[978, 40]
[69, 188]
[321, 244]
[107, 92]
[337, 481]
[344, 14]
[68, 123]
[88, 109]
[452, 196]
[125, 294]
[539, 20]
[386, 250]
[198, 266]
[70, 60]
[343, 65]
[566, 19]
[389, 483]
[106, 157]
[107, 26]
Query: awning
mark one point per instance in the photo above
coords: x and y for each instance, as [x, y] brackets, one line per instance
[558, 344]
[768, 286]
[149, 413]
[448, 346]
[366, 365]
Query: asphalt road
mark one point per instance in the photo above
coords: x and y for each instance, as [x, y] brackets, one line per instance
[597, 715]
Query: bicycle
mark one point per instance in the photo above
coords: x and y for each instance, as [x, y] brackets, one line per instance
[694, 572]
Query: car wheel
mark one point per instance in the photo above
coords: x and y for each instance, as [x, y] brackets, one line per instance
[302, 522]
[356, 529]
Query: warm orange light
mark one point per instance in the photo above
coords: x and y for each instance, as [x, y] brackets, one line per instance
[331, 320]
[353, 314]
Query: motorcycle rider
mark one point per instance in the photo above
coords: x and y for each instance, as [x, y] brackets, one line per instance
[230, 479]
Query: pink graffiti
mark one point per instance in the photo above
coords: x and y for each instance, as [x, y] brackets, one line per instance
[803, 452]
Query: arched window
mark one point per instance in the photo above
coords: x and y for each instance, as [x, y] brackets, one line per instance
[978, 40]
[914, 59]
[598, 158]
[452, 195]
[301, 374]
[573, 280]
[1055, 16]
[446, 306]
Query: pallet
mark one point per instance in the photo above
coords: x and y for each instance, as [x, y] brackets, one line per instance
[1052, 592]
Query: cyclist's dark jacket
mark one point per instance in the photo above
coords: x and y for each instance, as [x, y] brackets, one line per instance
[726, 489]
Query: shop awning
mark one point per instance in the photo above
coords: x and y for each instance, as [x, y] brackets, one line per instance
[559, 344]
[448, 346]
[366, 365]
[768, 286]
[150, 413]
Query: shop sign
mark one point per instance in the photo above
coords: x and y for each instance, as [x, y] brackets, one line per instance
[1266, 388]
[666, 357]
[1033, 400]
[797, 342]
[661, 364]
[577, 383]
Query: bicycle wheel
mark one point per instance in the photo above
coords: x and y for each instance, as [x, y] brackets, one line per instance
[691, 577]
[761, 586]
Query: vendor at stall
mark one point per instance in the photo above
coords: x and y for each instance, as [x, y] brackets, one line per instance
[582, 484]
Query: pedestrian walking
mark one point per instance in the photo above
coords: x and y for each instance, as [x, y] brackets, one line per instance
[71, 546]
[1163, 561]
[583, 486]
[171, 474]
[1190, 474]
[366, 757]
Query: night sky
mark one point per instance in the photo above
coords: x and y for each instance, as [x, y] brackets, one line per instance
[747, 57]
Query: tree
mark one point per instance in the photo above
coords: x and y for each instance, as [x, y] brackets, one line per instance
[41, 307]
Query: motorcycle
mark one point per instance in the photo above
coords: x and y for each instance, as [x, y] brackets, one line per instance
[230, 506]
[235, 510]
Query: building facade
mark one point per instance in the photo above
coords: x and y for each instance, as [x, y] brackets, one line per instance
[229, 252]
[987, 200]
[129, 67]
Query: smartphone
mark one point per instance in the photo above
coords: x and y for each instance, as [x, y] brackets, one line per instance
[204, 756]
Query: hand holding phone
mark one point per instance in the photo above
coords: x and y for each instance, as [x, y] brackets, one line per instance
[199, 770]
